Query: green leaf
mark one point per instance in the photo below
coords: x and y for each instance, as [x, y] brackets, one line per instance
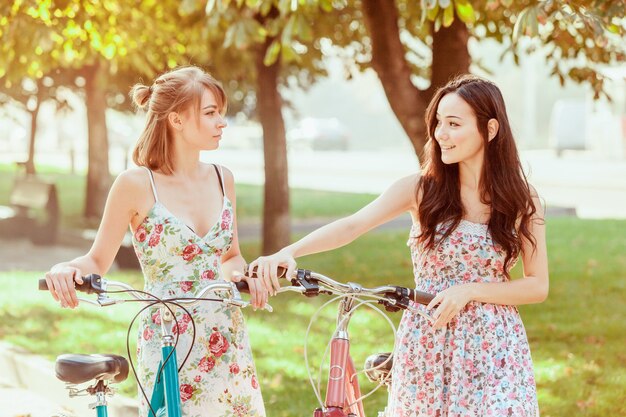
[288, 30]
[465, 11]
[520, 25]
[424, 12]
[532, 22]
[448, 16]
[241, 36]
[284, 6]
[254, 30]
[187, 7]
[230, 35]
[271, 54]
[210, 5]
[289, 55]
[432, 13]
[266, 6]
[326, 5]
[437, 23]
[302, 29]
[613, 29]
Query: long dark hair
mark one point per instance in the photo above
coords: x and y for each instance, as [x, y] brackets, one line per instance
[503, 185]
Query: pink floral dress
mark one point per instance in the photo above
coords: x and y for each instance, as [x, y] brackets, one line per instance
[219, 377]
[479, 365]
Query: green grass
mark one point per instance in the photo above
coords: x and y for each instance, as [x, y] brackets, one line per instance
[305, 204]
[576, 336]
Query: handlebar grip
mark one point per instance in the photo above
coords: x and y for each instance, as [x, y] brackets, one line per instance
[421, 297]
[92, 283]
[282, 272]
[242, 286]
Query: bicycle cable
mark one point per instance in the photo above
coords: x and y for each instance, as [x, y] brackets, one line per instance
[370, 304]
[165, 303]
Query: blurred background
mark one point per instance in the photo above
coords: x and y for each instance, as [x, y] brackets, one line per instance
[326, 106]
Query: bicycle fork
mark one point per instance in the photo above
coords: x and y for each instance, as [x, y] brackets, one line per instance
[342, 390]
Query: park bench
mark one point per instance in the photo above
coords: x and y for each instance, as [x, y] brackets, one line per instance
[33, 211]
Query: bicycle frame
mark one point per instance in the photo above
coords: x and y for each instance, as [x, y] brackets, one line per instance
[343, 388]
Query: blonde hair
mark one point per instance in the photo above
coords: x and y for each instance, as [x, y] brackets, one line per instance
[177, 91]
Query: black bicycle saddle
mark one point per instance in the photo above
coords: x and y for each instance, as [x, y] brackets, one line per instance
[79, 368]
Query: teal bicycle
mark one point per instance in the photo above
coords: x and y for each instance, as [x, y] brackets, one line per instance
[94, 374]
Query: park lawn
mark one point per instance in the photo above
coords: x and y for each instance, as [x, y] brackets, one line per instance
[576, 336]
[305, 204]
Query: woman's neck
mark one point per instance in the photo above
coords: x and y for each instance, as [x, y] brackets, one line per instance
[470, 174]
[186, 162]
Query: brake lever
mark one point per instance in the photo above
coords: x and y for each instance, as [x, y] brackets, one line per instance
[101, 301]
[243, 304]
[420, 311]
[303, 279]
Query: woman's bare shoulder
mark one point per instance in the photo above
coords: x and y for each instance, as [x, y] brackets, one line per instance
[410, 186]
[133, 178]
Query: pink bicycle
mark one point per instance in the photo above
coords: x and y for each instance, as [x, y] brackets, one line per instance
[343, 394]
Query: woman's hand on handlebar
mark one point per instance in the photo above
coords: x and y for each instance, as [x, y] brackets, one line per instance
[61, 284]
[258, 292]
[266, 268]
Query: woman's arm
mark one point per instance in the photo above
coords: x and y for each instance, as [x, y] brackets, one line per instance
[119, 209]
[397, 199]
[531, 288]
[233, 263]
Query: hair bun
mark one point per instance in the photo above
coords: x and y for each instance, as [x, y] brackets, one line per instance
[140, 95]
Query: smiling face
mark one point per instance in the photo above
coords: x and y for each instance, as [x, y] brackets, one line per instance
[202, 128]
[457, 132]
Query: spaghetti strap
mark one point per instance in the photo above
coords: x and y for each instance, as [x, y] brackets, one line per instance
[220, 175]
[156, 198]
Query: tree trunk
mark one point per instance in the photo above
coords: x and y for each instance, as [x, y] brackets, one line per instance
[388, 60]
[276, 220]
[98, 177]
[450, 57]
[450, 54]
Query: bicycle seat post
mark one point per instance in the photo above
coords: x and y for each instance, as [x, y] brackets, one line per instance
[99, 390]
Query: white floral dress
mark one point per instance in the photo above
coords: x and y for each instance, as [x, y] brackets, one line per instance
[219, 377]
[480, 364]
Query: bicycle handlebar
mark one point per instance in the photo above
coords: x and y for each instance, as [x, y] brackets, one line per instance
[307, 282]
[92, 284]
[95, 284]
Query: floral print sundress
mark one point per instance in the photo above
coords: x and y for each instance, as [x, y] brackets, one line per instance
[480, 364]
[219, 378]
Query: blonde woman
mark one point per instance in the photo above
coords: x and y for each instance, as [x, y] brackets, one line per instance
[182, 215]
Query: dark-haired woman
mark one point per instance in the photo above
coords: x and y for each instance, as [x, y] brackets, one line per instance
[474, 214]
